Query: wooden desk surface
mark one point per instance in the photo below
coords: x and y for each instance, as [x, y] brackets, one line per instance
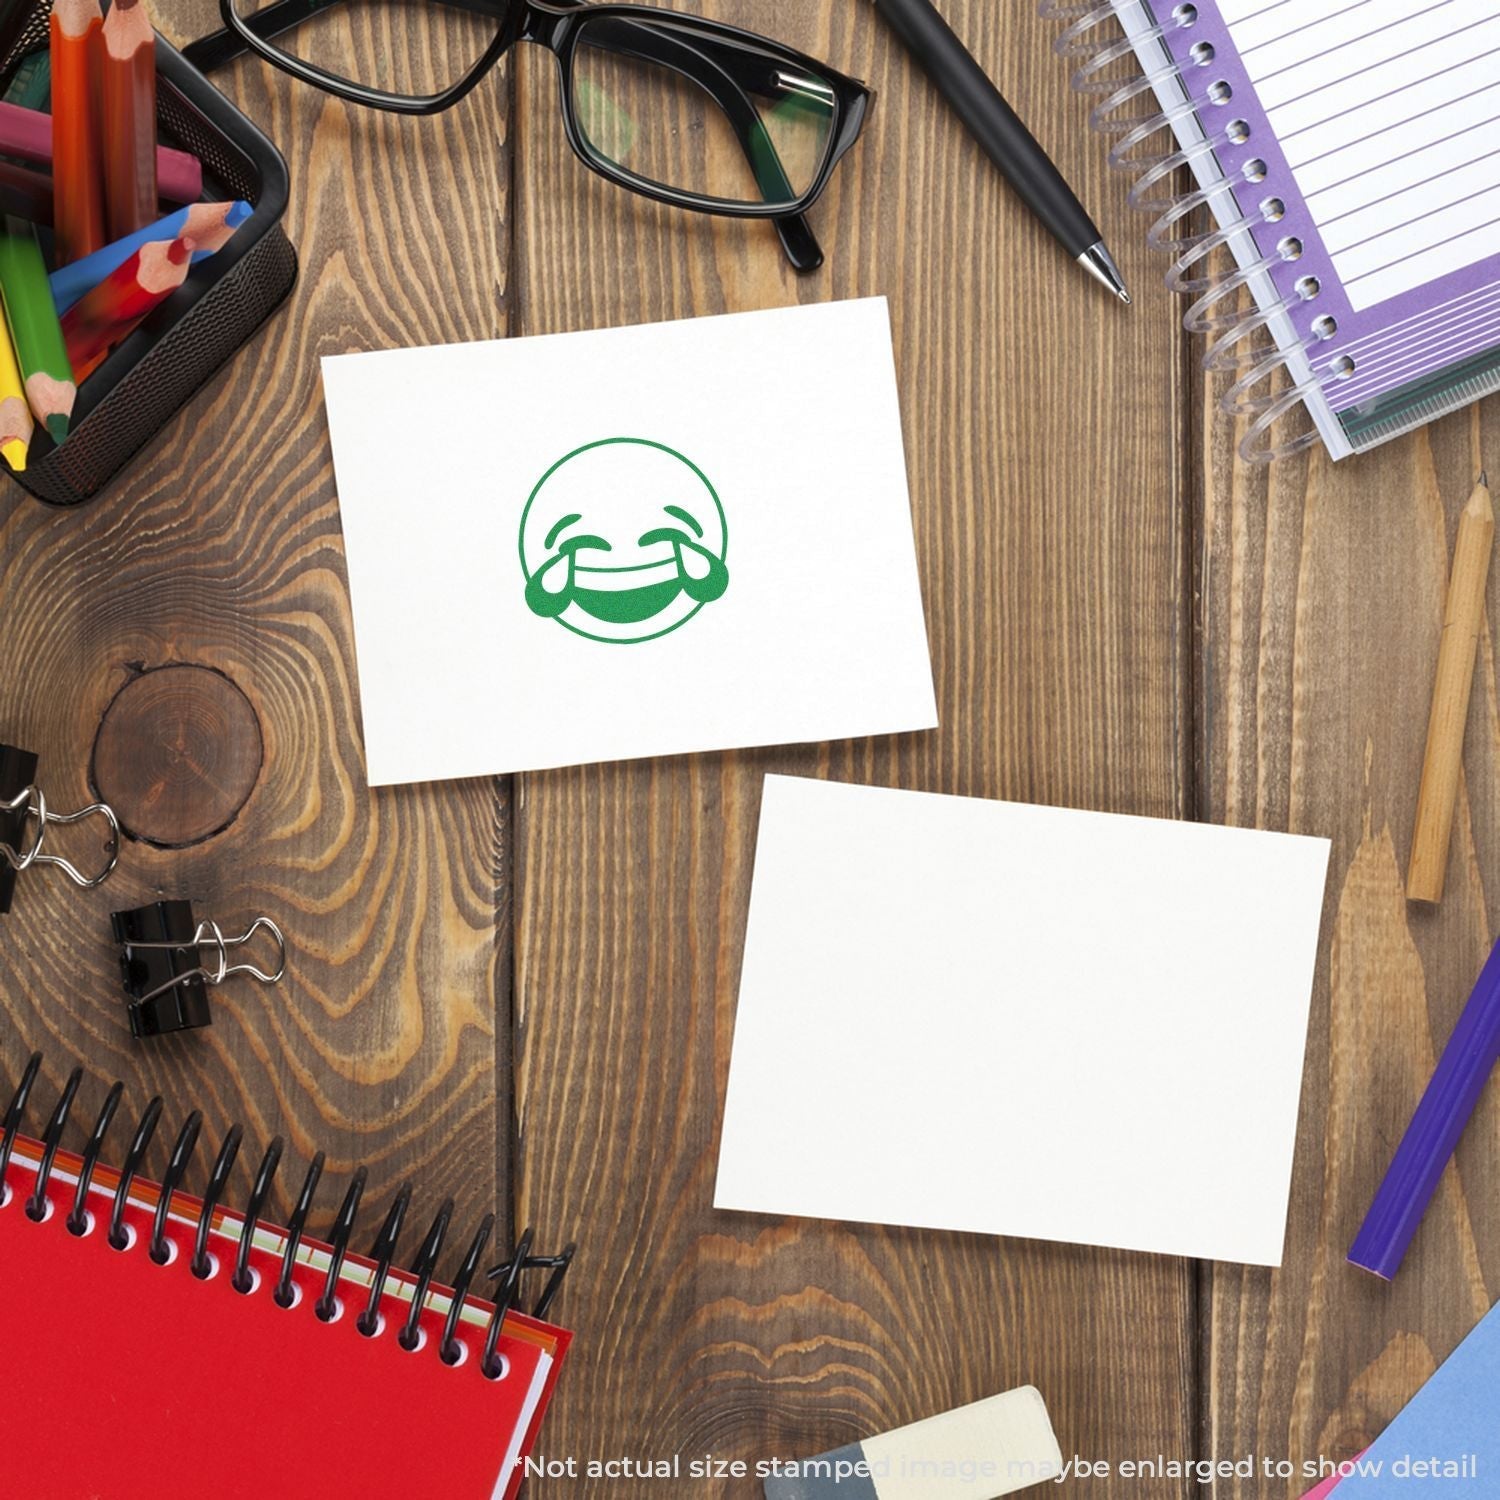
[521, 991]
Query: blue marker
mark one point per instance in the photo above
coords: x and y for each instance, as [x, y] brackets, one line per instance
[1436, 1128]
[209, 223]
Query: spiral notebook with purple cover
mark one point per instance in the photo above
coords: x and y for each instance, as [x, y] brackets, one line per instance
[1349, 151]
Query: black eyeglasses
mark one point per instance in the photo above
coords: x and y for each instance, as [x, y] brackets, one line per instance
[679, 109]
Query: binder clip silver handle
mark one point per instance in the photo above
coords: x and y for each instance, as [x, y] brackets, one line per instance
[215, 973]
[32, 804]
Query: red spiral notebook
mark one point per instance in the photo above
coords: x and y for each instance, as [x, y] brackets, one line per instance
[130, 1380]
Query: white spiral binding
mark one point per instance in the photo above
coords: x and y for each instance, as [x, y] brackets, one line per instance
[1118, 115]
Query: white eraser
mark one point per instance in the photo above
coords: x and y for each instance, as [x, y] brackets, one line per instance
[1006, 1439]
[977, 1452]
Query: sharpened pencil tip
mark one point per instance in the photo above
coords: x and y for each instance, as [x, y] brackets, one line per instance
[57, 427]
[1484, 478]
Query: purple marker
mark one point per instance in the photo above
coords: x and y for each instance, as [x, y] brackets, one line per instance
[1433, 1135]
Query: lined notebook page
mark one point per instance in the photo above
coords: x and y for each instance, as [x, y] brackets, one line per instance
[1389, 114]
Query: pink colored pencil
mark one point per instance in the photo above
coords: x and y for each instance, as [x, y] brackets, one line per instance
[26, 135]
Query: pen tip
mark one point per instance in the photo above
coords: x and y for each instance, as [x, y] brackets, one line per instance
[1098, 262]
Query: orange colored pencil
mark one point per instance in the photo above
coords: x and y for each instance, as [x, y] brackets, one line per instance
[77, 172]
[98, 321]
[128, 119]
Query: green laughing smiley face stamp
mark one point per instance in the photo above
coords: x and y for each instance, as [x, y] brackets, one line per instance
[623, 541]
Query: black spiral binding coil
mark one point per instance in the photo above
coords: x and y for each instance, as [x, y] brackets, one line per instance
[1118, 113]
[370, 1323]
[182, 1153]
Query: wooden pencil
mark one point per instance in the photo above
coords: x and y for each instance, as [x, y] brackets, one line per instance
[128, 119]
[25, 193]
[78, 182]
[16, 425]
[26, 135]
[30, 86]
[208, 225]
[1463, 619]
[99, 320]
[34, 328]
[28, 194]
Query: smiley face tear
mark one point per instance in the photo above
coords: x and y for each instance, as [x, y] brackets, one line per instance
[595, 573]
[562, 581]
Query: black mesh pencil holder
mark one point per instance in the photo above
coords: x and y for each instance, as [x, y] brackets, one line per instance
[167, 360]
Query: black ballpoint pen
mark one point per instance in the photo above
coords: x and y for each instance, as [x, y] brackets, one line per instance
[998, 129]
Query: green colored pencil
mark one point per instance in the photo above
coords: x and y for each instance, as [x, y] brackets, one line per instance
[34, 328]
[31, 84]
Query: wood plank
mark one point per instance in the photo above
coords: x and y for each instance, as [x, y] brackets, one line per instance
[1045, 455]
[1322, 607]
[222, 550]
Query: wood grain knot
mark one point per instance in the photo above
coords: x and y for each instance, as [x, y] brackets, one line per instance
[178, 753]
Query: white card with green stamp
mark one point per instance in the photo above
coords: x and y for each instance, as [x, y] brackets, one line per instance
[644, 541]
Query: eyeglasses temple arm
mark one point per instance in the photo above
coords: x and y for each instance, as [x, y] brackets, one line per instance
[798, 241]
[223, 46]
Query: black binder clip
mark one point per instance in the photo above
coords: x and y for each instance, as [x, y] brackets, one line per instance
[166, 977]
[25, 820]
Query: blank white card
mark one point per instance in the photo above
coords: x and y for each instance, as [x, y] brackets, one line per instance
[983, 1016]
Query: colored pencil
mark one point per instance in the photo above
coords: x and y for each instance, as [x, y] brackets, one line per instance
[77, 173]
[25, 193]
[98, 321]
[31, 84]
[1435, 1130]
[26, 134]
[34, 328]
[208, 225]
[128, 119]
[1463, 622]
[16, 425]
